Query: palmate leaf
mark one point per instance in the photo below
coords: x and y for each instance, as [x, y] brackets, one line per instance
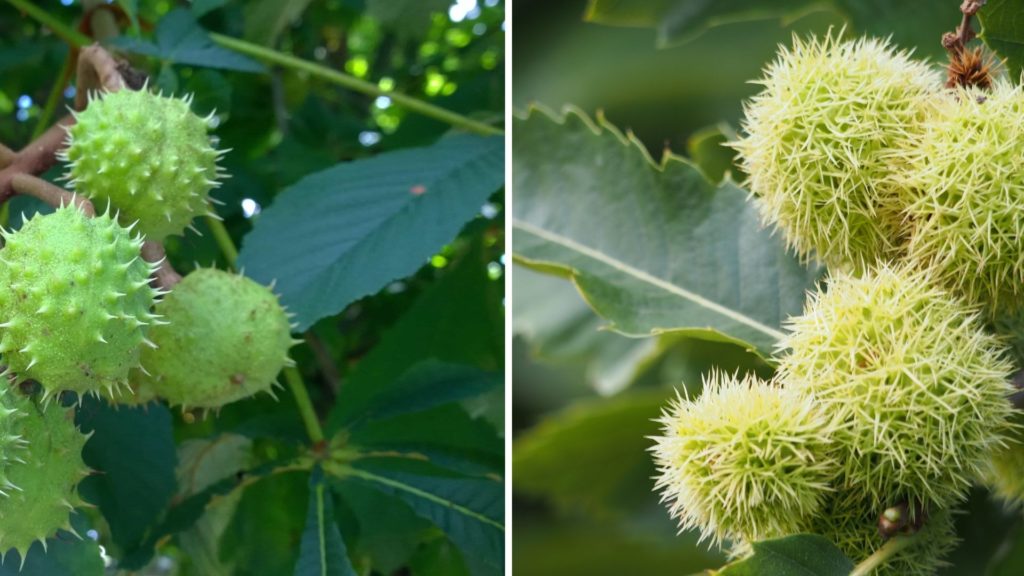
[469, 510]
[322, 551]
[133, 451]
[345, 232]
[653, 249]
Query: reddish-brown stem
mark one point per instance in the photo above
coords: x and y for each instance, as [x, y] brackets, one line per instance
[165, 276]
[35, 158]
[51, 194]
[954, 42]
[97, 70]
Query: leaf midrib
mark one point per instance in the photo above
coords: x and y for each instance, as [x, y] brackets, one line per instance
[625, 268]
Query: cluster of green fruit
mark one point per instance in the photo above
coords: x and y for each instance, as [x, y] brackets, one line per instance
[79, 313]
[892, 393]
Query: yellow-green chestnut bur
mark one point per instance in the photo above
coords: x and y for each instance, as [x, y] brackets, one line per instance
[744, 460]
[917, 390]
[226, 338]
[147, 155]
[75, 301]
[41, 482]
[967, 178]
[1004, 475]
[852, 524]
[824, 139]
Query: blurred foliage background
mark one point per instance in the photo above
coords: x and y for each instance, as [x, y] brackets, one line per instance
[584, 397]
[282, 125]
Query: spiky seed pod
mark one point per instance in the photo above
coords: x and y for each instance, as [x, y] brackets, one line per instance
[227, 338]
[824, 139]
[746, 459]
[1004, 475]
[967, 214]
[852, 524]
[148, 155]
[74, 301]
[918, 390]
[46, 476]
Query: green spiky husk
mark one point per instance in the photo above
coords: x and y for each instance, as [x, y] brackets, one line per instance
[967, 214]
[47, 476]
[148, 155]
[227, 338]
[824, 141]
[12, 445]
[1004, 475]
[74, 302]
[918, 391]
[852, 525]
[746, 459]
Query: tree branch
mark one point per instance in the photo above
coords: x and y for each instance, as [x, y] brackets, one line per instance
[97, 70]
[165, 276]
[53, 195]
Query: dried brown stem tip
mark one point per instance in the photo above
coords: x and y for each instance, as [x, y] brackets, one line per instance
[969, 68]
[97, 69]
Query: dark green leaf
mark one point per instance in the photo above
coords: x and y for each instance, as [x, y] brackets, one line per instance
[408, 18]
[132, 449]
[708, 151]
[457, 320]
[347, 231]
[438, 558]
[986, 529]
[388, 529]
[798, 555]
[590, 435]
[654, 249]
[263, 537]
[322, 551]
[65, 555]
[446, 435]
[911, 24]
[202, 7]
[179, 39]
[426, 385]
[1002, 29]
[265, 19]
[469, 510]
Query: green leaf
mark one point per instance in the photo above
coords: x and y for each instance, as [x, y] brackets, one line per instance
[911, 24]
[408, 18]
[445, 435]
[180, 39]
[266, 19]
[1002, 29]
[798, 555]
[457, 320]
[388, 530]
[322, 551]
[707, 149]
[133, 451]
[65, 555]
[202, 463]
[426, 385]
[560, 326]
[469, 510]
[590, 435]
[263, 536]
[131, 8]
[438, 558]
[201, 8]
[345, 232]
[987, 530]
[654, 249]
[573, 546]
